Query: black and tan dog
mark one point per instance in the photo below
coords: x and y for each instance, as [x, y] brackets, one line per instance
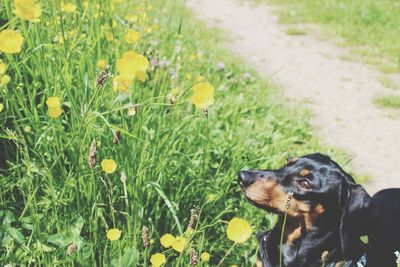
[327, 212]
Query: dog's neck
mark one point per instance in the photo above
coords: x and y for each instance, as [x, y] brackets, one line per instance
[304, 243]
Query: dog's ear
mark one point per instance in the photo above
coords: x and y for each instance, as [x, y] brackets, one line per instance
[359, 217]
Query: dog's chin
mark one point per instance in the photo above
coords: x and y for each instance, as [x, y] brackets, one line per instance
[264, 207]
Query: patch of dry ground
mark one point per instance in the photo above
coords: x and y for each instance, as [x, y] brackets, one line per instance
[311, 71]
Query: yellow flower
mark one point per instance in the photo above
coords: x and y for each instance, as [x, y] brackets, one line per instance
[205, 256]
[167, 240]
[239, 230]
[131, 111]
[108, 165]
[113, 234]
[68, 7]
[203, 95]
[55, 112]
[141, 75]
[53, 102]
[211, 197]
[179, 243]
[109, 36]
[132, 36]
[131, 63]
[200, 79]
[122, 83]
[157, 259]
[5, 80]
[102, 64]
[1, 107]
[54, 105]
[3, 67]
[27, 10]
[131, 18]
[59, 39]
[11, 41]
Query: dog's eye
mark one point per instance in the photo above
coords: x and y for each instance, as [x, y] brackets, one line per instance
[305, 184]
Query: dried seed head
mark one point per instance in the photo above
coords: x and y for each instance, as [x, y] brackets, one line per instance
[145, 236]
[205, 111]
[193, 219]
[171, 99]
[101, 79]
[289, 198]
[325, 256]
[71, 249]
[92, 154]
[117, 137]
[194, 258]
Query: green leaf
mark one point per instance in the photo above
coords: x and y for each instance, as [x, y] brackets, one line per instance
[16, 234]
[168, 203]
[129, 258]
[60, 240]
[76, 227]
[42, 247]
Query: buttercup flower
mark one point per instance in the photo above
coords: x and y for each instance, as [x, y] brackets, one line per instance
[239, 230]
[132, 36]
[11, 41]
[167, 240]
[55, 112]
[108, 165]
[141, 75]
[27, 10]
[68, 7]
[131, 63]
[102, 64]
[5, 80]
[205, 256]
[113, 234]
[1, 107]
[179, 243]
[211, 197]
[53, 102]
[3, 67]
[122, 83]
[54, 105]
[203, 94]
[157, 259]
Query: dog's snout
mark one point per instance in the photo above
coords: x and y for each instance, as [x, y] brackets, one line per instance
[245, 178]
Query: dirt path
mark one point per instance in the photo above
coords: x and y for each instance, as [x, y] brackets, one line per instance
[338, 92]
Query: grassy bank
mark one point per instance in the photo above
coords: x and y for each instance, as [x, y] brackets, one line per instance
[59, 198]
[370, 26]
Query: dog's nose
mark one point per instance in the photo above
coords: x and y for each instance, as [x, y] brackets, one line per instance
[245, 178]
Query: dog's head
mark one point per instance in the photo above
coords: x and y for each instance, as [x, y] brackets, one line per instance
[320, 187]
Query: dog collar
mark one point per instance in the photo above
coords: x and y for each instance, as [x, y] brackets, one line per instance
[265, 237]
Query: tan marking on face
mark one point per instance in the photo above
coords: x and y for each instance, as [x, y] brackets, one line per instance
[259, 263]
[310, 217]
[304, 172]
[269, 193]
[292, 160]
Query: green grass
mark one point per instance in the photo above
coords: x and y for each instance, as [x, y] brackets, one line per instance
[388, 83]
[370, 26]
[173, 157]
[296, 31]
[389, 101]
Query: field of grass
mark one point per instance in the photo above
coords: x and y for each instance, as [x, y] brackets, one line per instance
[372, 27]
[68, 85]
